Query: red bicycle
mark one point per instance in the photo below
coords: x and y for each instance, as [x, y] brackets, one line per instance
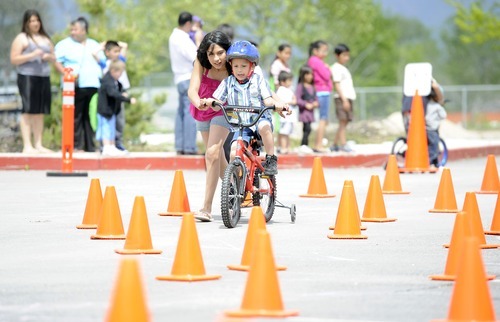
[244, 176]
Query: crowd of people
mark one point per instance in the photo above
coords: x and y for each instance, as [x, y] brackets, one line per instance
[207, 67]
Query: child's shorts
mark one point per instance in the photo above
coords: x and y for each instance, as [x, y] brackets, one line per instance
[106, 128]
[286, 128]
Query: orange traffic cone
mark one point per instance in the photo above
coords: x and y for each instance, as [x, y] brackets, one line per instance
[374, 205]
[179, 202]
[491, 183]
[138, 236]
[188, 263]
[93, 206]
[417, 157]
[347, 223]
[495, 222]
[445, 199]
[472, 209]
[110, 222]
[392, 182]
[262, 295]
[255, 224]
[471, 299]
[128, 303]
[461, 230]
[317, 184]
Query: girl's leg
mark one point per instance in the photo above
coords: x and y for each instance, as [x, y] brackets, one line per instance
[37, 128]
[214, 156]
[320, 133]
[306, 131]
[26, 126]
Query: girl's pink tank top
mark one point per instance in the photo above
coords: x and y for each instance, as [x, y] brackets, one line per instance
[207, 88]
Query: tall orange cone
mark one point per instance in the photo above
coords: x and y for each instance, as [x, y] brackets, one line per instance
[472, 209]
[445, 199]
[392, 182]
[188, 263]
[471, 299]
[491, 183]
[262, 295]
[347, 223]
[495, 222]
[317, 185]
[128, 303]
[461, 230]
[178, 204]
[417, 157]
[110, 222]
[93, 206]
[255, 224]
[138, 236]
[374, 210]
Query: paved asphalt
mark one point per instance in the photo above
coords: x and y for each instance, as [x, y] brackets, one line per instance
[50, 271]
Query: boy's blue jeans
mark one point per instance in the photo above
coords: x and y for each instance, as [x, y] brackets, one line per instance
[185, 125]
[433, 146]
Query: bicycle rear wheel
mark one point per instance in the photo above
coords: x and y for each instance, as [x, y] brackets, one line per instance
[231, 196]
[265, 194]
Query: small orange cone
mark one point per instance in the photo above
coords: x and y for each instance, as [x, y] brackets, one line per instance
[317, 184]
[417, 157]
[347, 223]
[110, 222]
[256, 223]
[188, 263]
[461, 230]
[93, 206]
[472, 209]
[445, 199]
[374, 205]
[491, 183]
[471, 299]
[178, 204]
[392, 182]
[128, 303]
[262, 295]
[138, 236]
[495, 222]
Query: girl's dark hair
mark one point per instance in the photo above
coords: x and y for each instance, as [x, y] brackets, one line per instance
[316, 45]
[215, 37]
[341, 48]
[26, 19]
[303, 71]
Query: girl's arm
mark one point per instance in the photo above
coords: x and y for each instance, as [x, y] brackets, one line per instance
[194, 86]
[16, 51]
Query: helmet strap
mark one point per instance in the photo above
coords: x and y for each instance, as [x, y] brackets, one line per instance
[248, 77]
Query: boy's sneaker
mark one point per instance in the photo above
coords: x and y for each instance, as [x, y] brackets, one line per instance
[270, 165]
[334, 148]
[120, 147]
[346, 148]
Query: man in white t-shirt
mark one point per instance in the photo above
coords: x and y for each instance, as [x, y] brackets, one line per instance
[182, 56]
[344, 96]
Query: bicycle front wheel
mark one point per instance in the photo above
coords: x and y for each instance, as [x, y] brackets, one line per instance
[231, 196]
[443, 153]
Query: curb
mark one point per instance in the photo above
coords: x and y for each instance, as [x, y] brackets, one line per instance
[169, 161]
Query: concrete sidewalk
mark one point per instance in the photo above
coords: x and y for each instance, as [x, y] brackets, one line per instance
[52, 272]
[365, 155]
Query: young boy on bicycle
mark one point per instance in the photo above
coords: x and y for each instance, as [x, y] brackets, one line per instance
[246, 88]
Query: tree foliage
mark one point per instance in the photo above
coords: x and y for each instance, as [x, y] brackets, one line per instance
[477, 23]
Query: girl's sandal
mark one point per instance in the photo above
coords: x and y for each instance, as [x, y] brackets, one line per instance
[203, 216]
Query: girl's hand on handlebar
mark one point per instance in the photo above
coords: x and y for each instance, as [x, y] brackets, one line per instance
[203, 106]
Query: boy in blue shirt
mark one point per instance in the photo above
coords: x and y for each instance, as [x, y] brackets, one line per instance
[115, 51]
[246, 88]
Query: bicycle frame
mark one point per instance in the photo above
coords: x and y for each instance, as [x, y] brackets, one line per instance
[243, 152]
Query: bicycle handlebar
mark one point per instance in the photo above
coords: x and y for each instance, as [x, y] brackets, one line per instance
[242, 109]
